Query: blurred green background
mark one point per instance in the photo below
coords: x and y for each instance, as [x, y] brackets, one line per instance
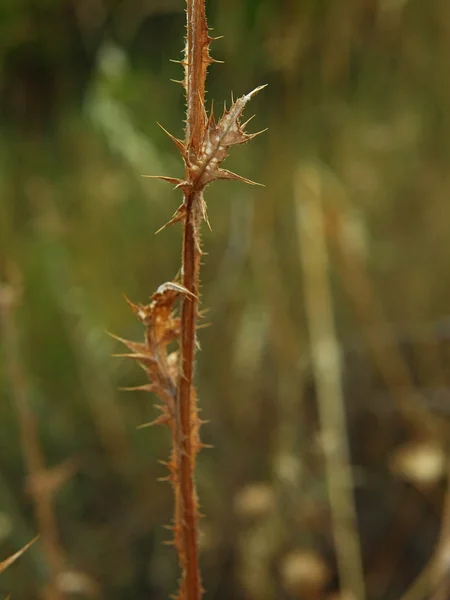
[357, 104]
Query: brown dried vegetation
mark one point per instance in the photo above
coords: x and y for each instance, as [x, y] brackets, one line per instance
[205, 147]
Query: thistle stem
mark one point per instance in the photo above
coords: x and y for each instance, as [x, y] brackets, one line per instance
[188, 410]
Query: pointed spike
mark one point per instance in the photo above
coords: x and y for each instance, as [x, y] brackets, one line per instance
[161, 420]
[174, 180]
[243, 126]
[206, 219]
[178, 143]
[146, 387]
[169, 543]
[225, 174]
[254, 92]
[183, 185]
[201, 445]
[175, 287]
[202, 102]
[136, 356]
[232, 97]
[135, 307]
[179, 215]
[169, 465]
[180, 81]
[119, 339]
[167, 478]
[251, 136]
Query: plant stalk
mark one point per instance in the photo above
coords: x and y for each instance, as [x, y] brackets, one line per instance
[196, 63]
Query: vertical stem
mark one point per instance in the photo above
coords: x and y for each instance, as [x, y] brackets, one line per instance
[327, 372]
[196, 63]
[187, 408]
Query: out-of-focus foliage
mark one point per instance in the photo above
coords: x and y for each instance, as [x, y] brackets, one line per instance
[359, 93]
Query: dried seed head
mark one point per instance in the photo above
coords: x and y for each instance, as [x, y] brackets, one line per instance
[255, 500]
[304, 573]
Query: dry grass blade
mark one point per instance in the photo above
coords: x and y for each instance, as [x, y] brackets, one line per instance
[12, 559]
[327, 373]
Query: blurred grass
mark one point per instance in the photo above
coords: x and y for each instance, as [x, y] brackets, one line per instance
[359, 88]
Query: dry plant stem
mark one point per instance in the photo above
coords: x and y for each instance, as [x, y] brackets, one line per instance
[186, 408]
[196, 63]
[381, 342]
[29, 441]
[326, 367]
[171, 373]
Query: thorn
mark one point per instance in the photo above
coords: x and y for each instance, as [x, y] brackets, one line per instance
[135, 356]
[246, 123]
[253, 135]
[146, 387]
[176, 287]
[179, 215]
[184, 185]
[205, 116]
[178, 143]
[11, 559]
[169, 464]
[161, 420]
[180, 81]
[116, 337]
[232, 97]
[169, 542]
[201, 445]
[255, 91]
[225, 174]
[174, 180]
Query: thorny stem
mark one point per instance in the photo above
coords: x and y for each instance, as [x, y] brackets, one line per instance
[196, 63]
[186, 407]
[205, 147]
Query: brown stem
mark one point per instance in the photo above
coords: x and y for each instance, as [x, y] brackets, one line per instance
[187, 408]
[196, 64]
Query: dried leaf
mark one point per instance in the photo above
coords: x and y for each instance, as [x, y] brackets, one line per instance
[218, 138]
